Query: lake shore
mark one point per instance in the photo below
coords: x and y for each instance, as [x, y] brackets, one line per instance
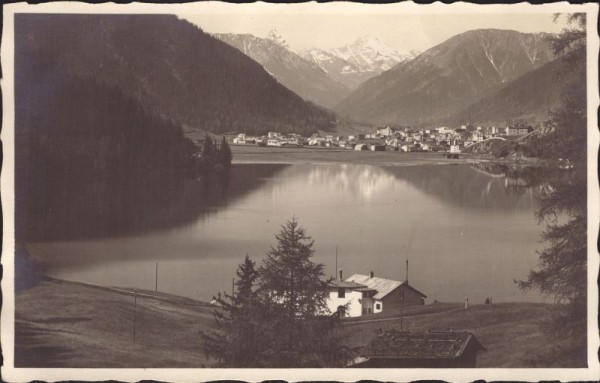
[252, 154]
[69, 324]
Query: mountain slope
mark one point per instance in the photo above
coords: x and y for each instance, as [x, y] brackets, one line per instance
[357, 62]
[528, 97]
[171, 68]
[294, 72]
[448, 77]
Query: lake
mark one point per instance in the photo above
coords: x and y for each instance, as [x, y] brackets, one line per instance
[467, 230]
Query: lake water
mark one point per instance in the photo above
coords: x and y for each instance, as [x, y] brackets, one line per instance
[466, 230]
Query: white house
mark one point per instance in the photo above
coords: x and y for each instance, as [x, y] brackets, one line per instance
[315, 140]
[346, 294]
[367, 294]
[385, 131]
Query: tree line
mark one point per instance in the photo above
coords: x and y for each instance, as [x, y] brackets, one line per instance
[214, 158]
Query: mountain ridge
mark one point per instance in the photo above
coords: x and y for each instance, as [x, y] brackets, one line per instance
[301, 76]
[448, 77]
[356, 62]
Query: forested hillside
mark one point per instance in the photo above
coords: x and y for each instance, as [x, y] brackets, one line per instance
[171, 68]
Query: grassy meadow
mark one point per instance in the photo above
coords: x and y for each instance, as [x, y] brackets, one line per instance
[66, 324]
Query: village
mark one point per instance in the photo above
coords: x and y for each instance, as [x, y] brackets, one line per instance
[441, 139]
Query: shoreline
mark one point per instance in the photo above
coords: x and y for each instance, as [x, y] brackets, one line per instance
[247, 154]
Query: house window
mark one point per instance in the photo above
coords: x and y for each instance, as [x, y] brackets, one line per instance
[377, 306]
[341, 293]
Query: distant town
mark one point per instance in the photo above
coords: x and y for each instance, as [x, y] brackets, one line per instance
[441, 139]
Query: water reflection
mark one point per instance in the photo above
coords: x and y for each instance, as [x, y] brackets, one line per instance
[362, 181]
[472, 187]
[131, 205]
[463, 229]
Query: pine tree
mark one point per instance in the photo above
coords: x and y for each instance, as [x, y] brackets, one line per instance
[237, 341]
[209, 154]
[303, 332]
[224, 156]
[562, 270]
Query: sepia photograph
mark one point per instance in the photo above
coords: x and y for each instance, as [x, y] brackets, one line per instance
[293, 191]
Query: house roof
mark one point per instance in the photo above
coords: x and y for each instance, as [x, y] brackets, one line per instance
[345, 284]
[382, 285]
[420, 345]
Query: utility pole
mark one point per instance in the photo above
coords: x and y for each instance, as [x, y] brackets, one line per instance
[134, 309]
[156, 278]
[336, 264]
[401, 306]
[407, 271]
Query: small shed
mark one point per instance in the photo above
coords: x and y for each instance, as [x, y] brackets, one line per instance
[432, 349]
[377, 147]
[360, 147]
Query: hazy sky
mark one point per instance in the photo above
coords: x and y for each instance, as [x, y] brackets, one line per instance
[403, 32]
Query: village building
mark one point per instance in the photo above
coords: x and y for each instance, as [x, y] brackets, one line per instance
[432, 349]
[377, 148]
[315, 140]
[517, 130]
[275, 135]
[385, 131]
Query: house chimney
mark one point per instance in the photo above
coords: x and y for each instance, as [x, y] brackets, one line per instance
[371, 274]
[341, 279]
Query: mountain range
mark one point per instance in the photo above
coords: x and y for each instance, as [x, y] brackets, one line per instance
[301, 76]
[171, 68]
[354, 63]
[448, 78]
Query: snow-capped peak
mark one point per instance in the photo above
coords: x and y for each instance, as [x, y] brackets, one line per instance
[275, 37]
[357, 61]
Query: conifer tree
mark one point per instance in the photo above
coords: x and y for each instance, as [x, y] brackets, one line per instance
[209, 154]
[303, 331]
[237, 340]
[562, 270]
[224, 156]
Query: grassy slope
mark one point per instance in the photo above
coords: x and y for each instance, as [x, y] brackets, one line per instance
[511, 332]
[64, 324]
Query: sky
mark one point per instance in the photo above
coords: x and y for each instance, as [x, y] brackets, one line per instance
[404, 32]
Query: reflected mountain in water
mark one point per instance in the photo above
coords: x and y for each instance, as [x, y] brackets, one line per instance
[364, 181]
[113, 207]
[479, 186]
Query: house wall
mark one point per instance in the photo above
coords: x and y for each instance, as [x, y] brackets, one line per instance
[394, 299]
[352, 298]
[367, 306]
